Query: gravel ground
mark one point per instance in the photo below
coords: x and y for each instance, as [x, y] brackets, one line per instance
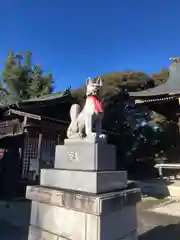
[151, 226]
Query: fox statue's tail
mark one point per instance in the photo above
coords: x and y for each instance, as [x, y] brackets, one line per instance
[74, 112]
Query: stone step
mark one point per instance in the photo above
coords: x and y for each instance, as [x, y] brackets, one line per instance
[86, 156]
[159, 187]
[84, 181]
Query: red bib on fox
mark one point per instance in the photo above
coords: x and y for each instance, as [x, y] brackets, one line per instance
[97, 104]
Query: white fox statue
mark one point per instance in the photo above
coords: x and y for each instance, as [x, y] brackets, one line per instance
[83, 122]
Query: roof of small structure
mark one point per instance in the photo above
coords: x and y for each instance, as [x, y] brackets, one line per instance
[46, 100]
[166, 91]
[49, 97]
[54, 105]
[54, 97]
[52, 108]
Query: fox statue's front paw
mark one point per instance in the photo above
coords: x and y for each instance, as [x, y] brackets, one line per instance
[92, 136]
[81, 135]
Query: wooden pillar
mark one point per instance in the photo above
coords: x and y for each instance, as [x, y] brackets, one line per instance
[179, 115]
[39, 154]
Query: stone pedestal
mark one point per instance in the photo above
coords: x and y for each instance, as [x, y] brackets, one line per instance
[85, 181]
[78, 203]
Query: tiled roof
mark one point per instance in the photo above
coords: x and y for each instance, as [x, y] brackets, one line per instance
[169, 89]
[48, 97]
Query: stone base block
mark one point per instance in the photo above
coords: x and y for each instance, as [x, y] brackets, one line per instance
[92, 204]
[86, 156]
[40, 234]
[75, 225]
[92, 182]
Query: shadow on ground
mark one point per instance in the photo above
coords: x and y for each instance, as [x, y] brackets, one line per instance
[171, 231]
[10, 232]
[14, 220]
[155, 226]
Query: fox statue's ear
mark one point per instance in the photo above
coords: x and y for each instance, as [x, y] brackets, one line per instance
[88, 81]
[99, 81]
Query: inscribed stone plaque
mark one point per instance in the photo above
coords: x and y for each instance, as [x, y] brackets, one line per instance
[88, 156]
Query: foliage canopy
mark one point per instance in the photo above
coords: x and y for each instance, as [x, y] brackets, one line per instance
[21, 80]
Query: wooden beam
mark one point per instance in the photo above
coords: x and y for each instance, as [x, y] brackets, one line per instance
[36, 117]
[25, 114]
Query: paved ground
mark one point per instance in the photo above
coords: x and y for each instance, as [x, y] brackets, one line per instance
[151, 226]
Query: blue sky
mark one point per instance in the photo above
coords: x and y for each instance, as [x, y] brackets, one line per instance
[77, 39]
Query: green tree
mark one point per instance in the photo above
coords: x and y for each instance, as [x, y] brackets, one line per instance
[22, 80]
[161, 77]
[115, 82]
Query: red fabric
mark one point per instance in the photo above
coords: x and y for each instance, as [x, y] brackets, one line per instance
[97, 104]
